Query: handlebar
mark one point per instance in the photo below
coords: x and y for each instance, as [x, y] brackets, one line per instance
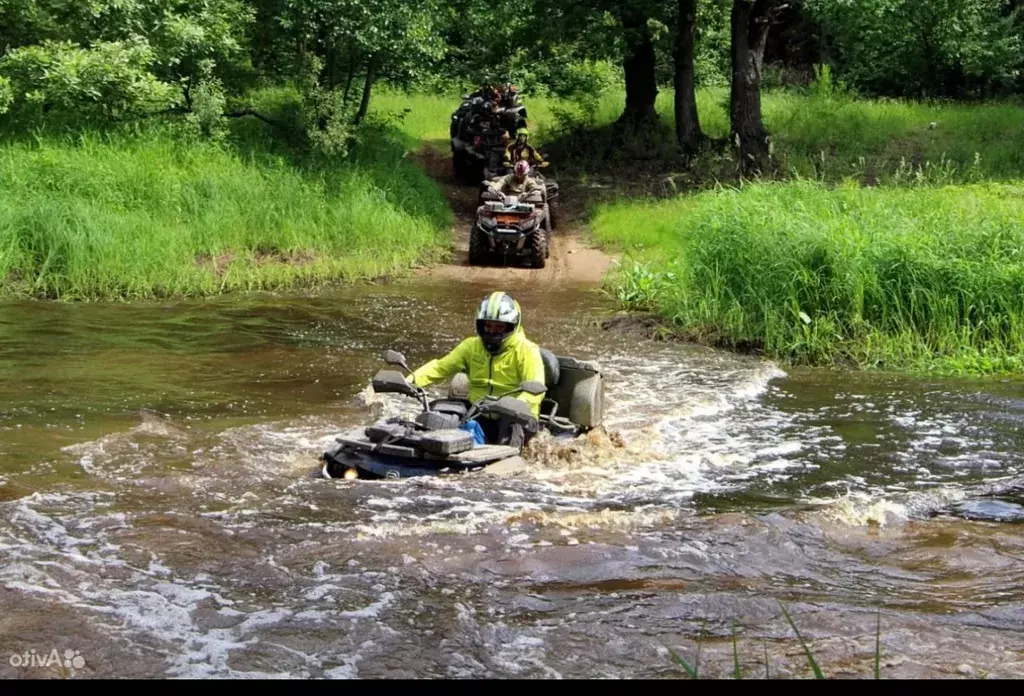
[475, 409]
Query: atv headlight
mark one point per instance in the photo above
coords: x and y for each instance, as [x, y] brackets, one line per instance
[488, 222]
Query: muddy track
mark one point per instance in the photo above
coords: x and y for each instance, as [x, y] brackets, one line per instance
[572, 260]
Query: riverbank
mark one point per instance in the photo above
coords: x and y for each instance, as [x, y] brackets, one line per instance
[146, 213]
[921, 279]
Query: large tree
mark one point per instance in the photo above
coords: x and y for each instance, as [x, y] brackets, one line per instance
[623, 29]
[688, 132]
[749, 23]
[638, 63]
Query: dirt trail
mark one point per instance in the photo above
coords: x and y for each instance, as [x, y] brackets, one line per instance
[572, 261]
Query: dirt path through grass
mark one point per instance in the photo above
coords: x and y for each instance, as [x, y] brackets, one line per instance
[572, 260]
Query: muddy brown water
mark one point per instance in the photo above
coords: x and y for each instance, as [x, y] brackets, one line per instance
[157, 518]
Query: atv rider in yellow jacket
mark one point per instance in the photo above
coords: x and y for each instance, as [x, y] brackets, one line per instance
[497, 360]
[520, 149]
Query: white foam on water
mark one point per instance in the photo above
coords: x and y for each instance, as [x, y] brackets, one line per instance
[44, 559]
[501, 650]
[682, 428]
[860, 509]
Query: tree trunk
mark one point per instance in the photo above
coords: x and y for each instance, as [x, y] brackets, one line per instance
[348, 80]
[638, 64]
[688, 133]
[749, 26]
[332, 67]
[350, 55]
[371, 74]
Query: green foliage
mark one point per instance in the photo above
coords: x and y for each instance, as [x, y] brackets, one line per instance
[6, 94]
[583, 87]
[913, 48]
[536, 46]
[712, 67]
[336, 50]
[712, 37]
[107, 80]
[583, 81]
[919, 278]
[186, 39]
[639, 287]
[824, 88]
[346, 34]
[207, 115]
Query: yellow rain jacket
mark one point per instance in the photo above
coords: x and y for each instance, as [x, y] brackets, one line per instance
[518, 361]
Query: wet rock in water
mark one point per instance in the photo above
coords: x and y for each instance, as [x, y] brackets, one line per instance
[965, 669]
[950, 447]
[992, 509]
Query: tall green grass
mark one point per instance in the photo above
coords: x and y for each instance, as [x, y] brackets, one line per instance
[890, 141]
[150, 212]
[918, 278]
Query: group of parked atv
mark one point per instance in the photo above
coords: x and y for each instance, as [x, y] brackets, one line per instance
[506, 226]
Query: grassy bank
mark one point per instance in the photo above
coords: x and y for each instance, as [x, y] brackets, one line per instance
[928, 278]
[135, 214]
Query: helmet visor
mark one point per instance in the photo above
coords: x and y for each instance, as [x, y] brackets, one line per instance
[492, 333]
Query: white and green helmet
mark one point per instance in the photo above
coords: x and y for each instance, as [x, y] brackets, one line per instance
[498, 307]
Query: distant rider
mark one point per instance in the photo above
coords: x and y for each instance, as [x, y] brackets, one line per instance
[497, 360]
[521, 150]
[510, 96]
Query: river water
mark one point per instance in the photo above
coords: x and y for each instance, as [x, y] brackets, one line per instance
[157, 517]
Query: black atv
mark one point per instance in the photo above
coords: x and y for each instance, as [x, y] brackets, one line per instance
[476, 144]
[433, 444]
